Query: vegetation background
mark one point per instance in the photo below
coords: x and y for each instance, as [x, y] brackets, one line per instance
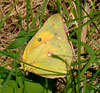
[21, 19]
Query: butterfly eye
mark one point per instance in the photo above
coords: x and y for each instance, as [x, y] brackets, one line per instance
[39, 39]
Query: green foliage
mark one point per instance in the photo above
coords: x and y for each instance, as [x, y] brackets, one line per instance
[23, 87]
[21, 39]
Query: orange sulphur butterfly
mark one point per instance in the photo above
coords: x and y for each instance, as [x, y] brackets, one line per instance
[49, 49]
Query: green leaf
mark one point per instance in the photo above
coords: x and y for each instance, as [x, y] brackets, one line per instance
[30, 87]
[19, 41]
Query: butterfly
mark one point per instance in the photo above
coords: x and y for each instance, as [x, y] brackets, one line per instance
[49, 51]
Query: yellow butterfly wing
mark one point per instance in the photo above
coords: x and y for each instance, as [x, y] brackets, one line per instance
[50, 40]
